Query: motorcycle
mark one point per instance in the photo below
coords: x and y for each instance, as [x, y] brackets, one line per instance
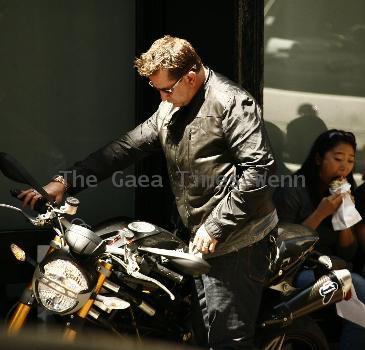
[133, 277]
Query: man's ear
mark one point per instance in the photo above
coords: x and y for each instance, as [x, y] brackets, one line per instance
[191, 76]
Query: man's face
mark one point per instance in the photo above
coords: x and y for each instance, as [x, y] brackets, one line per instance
[179, 91]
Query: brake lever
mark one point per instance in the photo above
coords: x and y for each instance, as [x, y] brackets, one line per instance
[132, 268]
[137, 274]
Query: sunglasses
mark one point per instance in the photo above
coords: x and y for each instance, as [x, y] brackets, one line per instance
[166, 90]
[173, 87]
[341, 134]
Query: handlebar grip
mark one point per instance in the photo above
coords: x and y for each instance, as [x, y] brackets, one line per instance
[40, 205]
[172, 275]
[15, 192]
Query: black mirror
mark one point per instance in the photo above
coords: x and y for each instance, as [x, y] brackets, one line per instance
[13, 170]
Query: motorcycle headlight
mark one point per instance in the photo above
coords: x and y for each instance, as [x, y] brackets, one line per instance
[61, 285]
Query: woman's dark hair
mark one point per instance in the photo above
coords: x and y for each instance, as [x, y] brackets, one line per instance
[324, 143]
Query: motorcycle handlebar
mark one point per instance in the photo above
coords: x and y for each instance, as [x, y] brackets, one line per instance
[156, 267]
[172, 275]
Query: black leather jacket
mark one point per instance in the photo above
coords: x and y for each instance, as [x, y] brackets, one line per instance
[217, 155]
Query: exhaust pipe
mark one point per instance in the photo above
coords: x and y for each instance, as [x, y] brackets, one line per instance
[327, 290]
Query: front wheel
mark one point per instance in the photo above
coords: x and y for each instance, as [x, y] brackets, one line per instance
[302, 334]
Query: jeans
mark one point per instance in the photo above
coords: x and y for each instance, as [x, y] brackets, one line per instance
[352, 335]
[230, 294]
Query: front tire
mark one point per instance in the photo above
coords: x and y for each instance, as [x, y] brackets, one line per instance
[302, 334]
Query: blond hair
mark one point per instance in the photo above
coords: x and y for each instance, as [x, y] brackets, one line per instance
[171, 53]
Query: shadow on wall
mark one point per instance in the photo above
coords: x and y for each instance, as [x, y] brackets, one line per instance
[277, 140]
[302, 131]
[294, 146]
[33, 145]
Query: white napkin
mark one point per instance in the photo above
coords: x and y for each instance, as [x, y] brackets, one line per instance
[352, 310]
[346, 215]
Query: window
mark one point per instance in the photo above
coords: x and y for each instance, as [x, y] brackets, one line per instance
[314, 74]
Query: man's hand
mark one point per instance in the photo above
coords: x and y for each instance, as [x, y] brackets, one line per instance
[203, 242]
[55, 189]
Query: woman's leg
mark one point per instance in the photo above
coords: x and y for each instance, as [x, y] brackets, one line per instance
[305, 278]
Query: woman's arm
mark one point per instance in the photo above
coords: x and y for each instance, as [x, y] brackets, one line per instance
[326, 207]
[346, 238]
[346, 244]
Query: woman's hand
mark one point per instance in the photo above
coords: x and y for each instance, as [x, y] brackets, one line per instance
[329, 205]
[326, 207]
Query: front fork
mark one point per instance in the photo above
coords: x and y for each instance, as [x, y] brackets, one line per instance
[21, 312]
[26, 301]
[76, 321]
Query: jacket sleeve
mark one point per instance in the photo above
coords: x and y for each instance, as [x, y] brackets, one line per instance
[117, 155]
[249, 196]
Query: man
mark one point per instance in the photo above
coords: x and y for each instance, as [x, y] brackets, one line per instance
[218, 158]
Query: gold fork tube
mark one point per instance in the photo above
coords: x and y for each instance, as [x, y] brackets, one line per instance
[18, 318]
[69, 333]
[21, 312]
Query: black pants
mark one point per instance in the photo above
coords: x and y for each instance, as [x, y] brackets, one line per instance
[230, 294]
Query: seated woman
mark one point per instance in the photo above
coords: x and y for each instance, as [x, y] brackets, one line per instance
[331, 157]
